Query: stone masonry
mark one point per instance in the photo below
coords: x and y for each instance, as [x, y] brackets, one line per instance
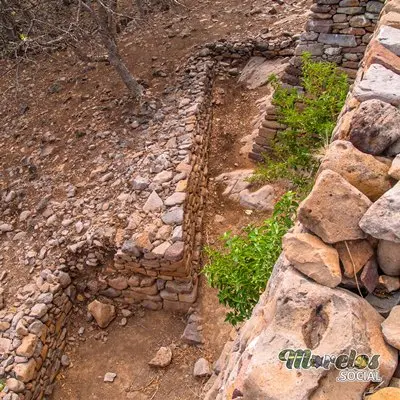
[336, 285]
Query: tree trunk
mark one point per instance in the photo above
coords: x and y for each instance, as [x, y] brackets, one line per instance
[116, 61]
[101, 19]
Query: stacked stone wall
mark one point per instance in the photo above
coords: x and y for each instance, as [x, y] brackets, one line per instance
[342, 255]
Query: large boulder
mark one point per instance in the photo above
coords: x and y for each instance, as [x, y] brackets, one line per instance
[374, 126]
[382, 220]
[333, 209]
[311, 256]
[297, 313]
[363, 171]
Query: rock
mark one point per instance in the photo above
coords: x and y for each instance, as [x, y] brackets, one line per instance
[160, 250]
[388, 393]
[65, 361]
[163, 358]
[373, 127]
[173, 217]
[354, 254]
[201, 368]
[28, 346]
[235, 181]
[389, 283]
[389, 257]
[140, 183]
[394, 171]
[333, 209]
[384, 304]
[25, 371]
[297, 313]
[110, 377]
[389, 37]
[257, 71]
[5, 228]
[39, 310]
[175, 252]
[262, 199]
[118, 283]
[102, 313]
[15, 385]
[379, 83]
[164, 176]
[369, 275]
[391, 328]
[153, 203]
[176, 198]
[192, 335]
[382, 220]
[311, 256]
[335, 39]
[363, 171]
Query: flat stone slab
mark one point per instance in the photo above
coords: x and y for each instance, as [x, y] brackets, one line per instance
[390, 38]
[257, 71]
[379, 83]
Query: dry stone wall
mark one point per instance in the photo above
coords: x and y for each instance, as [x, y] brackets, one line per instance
[336, 285]
[337, 31]
[151, 261]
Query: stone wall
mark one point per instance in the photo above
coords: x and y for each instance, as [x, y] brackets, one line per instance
[33, 336]
[151, 261]
[337, 31]
[336, 286]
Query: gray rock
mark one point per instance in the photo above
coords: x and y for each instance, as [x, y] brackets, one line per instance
[192, 335]
[384, 304]
[382, 220]
[388, 36]
[389, 257]
[201, 368]
[379, 83]
[39, 310]
[173, 217]
[373, 128]
[337, 39]
[65, 361]
[262, 199]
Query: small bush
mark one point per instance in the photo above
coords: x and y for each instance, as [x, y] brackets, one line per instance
[310, 117]
[240, 271]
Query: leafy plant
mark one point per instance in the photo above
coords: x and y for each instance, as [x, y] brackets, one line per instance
[310, 116]
[241, 269]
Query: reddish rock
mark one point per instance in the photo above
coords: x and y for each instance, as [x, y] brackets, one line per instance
[333, 209]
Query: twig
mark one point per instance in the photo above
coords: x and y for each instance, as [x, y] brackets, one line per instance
[354, 268]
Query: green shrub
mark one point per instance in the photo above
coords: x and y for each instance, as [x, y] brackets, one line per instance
[240, 271]
[310, 117]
